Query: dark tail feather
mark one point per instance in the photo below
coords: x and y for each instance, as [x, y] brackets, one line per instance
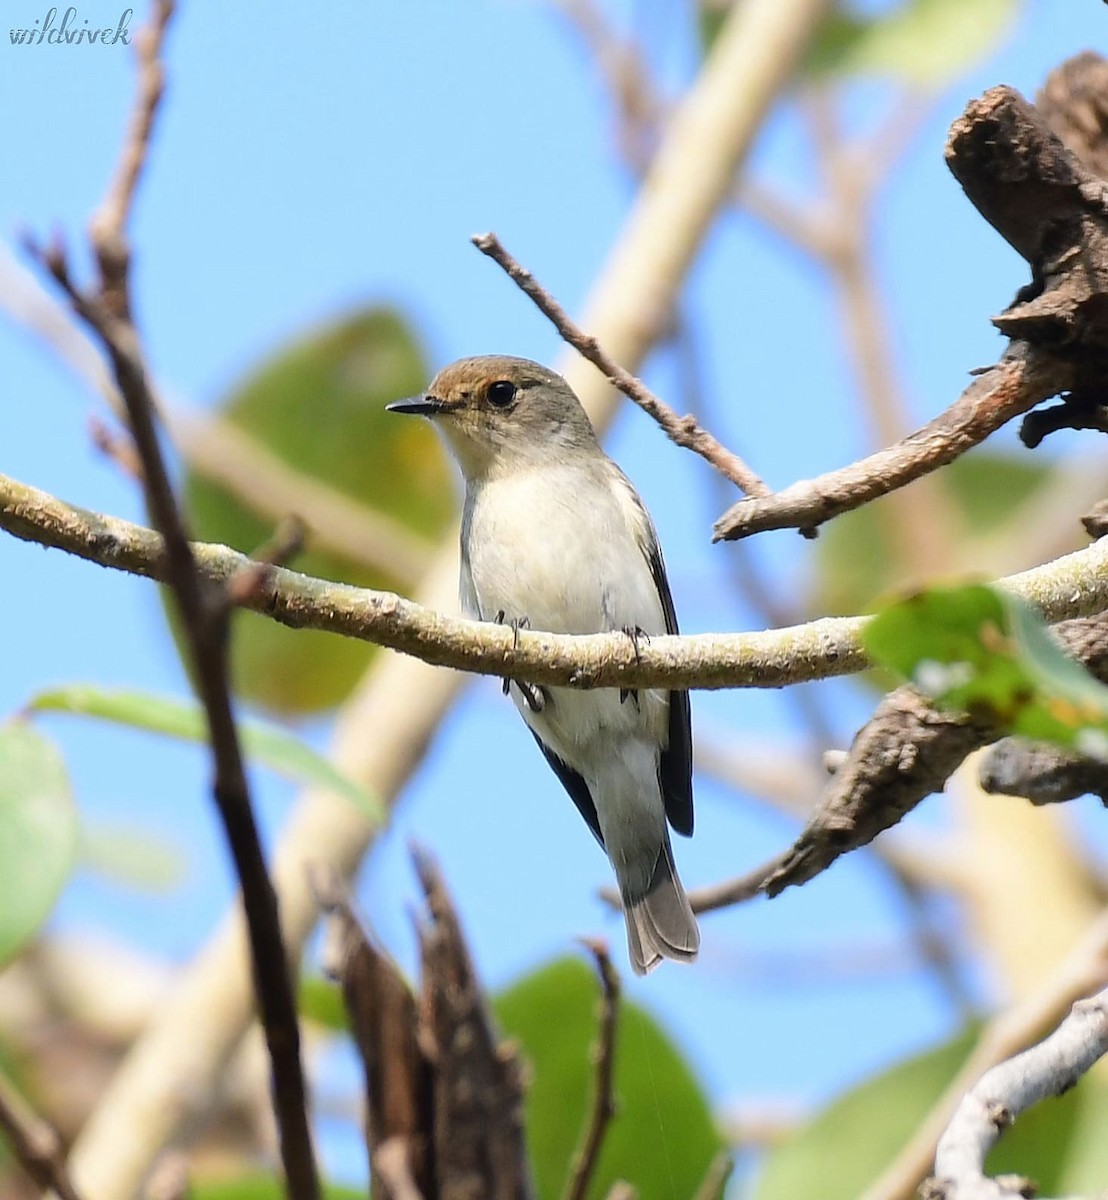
[661, 924]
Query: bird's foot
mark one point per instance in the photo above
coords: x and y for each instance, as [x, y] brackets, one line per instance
[636, 634]
[534, 697]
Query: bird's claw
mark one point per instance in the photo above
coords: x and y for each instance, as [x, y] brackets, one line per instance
[637, 634]
[534, 697]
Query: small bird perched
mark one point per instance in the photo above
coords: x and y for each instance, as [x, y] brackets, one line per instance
[555, 537]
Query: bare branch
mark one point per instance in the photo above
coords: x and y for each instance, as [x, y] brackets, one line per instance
[684, 431]
[384, 1018]
[287, 541]
[1009, 1089]
[394, 1171]
[905, 752]
[1074, 585]
[1084, 970]
[587, 1154]
[108, 226]
[1021, 379]
[639, 109]
[478, 1084]
[1041, 773]
[203, 606]
[34, 1144]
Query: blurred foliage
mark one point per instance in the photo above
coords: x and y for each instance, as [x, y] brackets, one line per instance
[38, 833]
[662, 1138]
[319, 406]
[843, 1149]
[921, 42]
[257, 1186]
[320, 1001]
[847, 1145]
[132, 857]
[977, 649]
[857, 556]
[264, 744]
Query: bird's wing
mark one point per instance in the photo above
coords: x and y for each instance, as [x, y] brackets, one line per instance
[675, 765]
[574, 784]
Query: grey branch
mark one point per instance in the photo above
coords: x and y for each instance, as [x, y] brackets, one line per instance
[1041, 773]
[1074, 585]
[1003, 1093]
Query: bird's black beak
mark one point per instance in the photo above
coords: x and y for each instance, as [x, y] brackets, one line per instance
[423, 406]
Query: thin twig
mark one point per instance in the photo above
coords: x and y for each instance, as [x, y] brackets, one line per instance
[203, 606]
[638, 107]
[115, 446]
[587, 1154]
[392, 1167]
[684, 431]
[34, 1144]
[713, 1183]
[1021, 379]
[287, 541]
[1071, 586]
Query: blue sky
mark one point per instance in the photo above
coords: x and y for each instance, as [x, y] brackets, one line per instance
[308, 163]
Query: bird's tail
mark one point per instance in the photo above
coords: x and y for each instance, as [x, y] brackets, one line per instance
[660, 924]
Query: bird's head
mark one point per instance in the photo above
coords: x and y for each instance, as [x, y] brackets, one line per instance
[497, 412]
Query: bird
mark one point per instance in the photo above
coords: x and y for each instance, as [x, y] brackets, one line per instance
[555, 537]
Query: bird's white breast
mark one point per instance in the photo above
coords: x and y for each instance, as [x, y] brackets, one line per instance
[563, 548]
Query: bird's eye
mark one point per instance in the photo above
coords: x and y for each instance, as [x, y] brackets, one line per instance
[501, 393]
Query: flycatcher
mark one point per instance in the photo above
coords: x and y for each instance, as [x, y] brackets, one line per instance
[555, 537]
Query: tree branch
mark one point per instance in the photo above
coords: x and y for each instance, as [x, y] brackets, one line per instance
[34, 1144]
[1009, 1089]
[1074, 585]
[587, 1154]
[1021, 379]
[1054, 212]
[1041, 773]
[1084, 970]
[203, 605]
[904, 753]
[684, 431]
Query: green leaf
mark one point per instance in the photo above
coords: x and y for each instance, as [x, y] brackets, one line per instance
[1041, 1143]
[1085, 1165]
[273, 747]
[924, 42]
[844, 1149]
[975, 649]
[38, 833]
[319, 406]
[662, 1138]
[321, 1001]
